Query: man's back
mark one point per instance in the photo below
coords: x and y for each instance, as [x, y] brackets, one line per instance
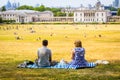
[44, 55]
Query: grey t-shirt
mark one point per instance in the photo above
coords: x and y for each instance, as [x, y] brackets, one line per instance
[44, 55]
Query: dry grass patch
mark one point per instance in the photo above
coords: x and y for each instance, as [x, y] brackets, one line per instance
[100, 41]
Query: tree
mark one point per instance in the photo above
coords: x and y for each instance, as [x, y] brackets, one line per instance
[55, 11]
[25, 7]
[1, 20]
[60, 14]
[71, 14]
[42, 8]
[112, 9]
[3, 8]
[47, 8]
[118, 13]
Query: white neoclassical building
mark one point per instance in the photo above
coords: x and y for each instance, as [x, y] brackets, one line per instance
[97, 14]
[25, 16]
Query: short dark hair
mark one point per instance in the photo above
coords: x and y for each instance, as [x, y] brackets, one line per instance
[45, 42]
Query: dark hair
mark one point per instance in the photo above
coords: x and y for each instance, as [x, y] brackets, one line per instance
[78, 43]
[45, 42]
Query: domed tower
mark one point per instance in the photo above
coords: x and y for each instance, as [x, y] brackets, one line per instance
[98, 5]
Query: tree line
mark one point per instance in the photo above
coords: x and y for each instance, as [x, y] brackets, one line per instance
[118, 13]
[56, 11]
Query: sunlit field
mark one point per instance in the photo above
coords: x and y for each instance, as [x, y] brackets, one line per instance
[20, 42]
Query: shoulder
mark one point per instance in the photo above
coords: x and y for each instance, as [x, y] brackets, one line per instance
[48, 49]
[79, 49]
[39, 49]
[83, 48]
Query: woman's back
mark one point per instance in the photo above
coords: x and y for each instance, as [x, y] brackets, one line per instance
[79, 58]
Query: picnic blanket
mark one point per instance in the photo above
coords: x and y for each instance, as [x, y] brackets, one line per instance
[62, 65]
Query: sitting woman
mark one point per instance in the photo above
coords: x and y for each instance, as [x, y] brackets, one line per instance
[78, 56]
[78, 59]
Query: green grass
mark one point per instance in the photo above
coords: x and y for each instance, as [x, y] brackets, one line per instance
[101, 72]
[14, 52]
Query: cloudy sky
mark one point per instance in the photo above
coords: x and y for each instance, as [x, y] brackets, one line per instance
[57, 3]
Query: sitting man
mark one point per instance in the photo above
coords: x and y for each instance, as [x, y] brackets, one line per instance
[44, 55]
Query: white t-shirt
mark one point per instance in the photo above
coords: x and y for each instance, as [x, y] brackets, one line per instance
[44, 55]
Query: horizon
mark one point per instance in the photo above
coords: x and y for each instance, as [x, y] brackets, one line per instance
[57, 3]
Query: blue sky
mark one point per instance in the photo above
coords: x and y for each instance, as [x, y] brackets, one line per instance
[57, 3]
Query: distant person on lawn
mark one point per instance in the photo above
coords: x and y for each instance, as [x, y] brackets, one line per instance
[78, 55]
[44, 55]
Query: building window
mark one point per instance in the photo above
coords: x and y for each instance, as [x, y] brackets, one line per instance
[102, 14]
[80, 14]
[89, 14]
[76, 14]
[102, 19]
[76, 19]
[84, 14]
[97, 20]
[97, 14]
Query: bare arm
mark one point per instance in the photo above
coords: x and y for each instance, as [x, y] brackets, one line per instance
[38, 54]
[73, 54]
[50, 57]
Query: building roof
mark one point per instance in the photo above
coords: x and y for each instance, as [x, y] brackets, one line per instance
[91, 10]
[25, 12]
[20, 11]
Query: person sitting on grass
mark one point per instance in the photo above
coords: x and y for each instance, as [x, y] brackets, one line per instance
[78, 55]
[78, 59]
[44, 55]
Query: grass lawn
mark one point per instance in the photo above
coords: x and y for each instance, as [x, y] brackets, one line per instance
[101, 42]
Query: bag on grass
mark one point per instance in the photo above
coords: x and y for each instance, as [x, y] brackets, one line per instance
[25, 64]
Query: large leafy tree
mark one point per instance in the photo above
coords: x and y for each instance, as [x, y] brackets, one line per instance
[3, 8]
[118, 13]
[56, 11]
[113, 9]
[25, 7]
[48, 8]
[1, 20]
[60, 14]
[71, 14]
[40, 8]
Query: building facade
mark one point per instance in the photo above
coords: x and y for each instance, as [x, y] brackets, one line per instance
[90, 16]
[97, 14]
[114, 19]
[25, 16]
